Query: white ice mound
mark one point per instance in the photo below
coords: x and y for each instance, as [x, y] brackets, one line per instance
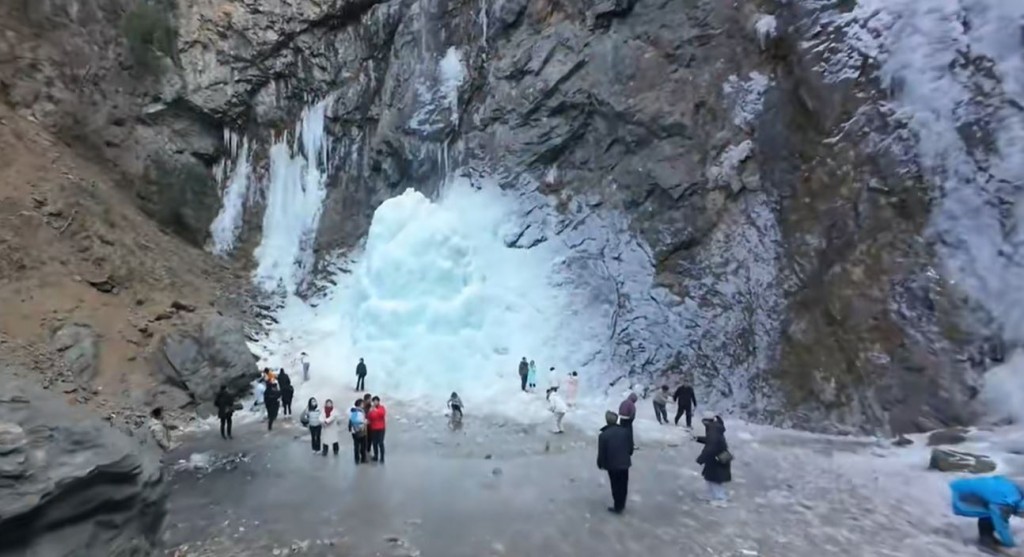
[438, 303]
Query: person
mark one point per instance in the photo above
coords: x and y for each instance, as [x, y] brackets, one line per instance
[272, 400]
[357, 427]
[225, 404]
[304, 360]
[686, 400]
[332, 428]
[261, 389]
[614, 449]
[627, 413]
[268, 375]
[313, 420]
[360, 375]
[531, 376]
[367, 402]
[572, 386]
[992, 500]
[557, 407]
[661, 404]
[455, 405]
[715, 458]
[158, 429]
[524, 372]
[376, 423]
[287, 392]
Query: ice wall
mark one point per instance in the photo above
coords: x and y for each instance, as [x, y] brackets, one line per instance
[438, 302]
[295, 194]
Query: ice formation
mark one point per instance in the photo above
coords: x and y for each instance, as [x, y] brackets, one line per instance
[233, 176]
[437, 302]
[298, 172]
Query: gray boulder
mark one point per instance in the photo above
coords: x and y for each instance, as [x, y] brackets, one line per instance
[72, 485]
[948, 460]
[202, 359]
[79, 349]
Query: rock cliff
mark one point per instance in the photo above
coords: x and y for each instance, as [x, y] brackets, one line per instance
[741, 184]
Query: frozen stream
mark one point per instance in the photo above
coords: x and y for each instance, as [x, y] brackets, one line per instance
[795, 495]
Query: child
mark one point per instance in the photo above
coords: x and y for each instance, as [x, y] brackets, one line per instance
[531, 377]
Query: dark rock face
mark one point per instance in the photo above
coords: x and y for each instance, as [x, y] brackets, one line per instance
[201, 360]
[72, 485]
[741, 204]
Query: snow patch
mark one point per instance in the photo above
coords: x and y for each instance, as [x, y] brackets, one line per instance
[746, 97]
[766, 28]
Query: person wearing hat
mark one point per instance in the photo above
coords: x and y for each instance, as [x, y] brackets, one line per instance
[614, 450]
[992, 500]
[715, 458]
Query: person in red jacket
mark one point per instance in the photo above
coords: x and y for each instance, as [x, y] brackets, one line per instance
[376, 422]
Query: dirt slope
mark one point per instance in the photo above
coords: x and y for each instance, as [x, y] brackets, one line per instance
[75, 249]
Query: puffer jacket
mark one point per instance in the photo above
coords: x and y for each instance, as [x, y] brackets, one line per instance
[628, 407]
[714, 445]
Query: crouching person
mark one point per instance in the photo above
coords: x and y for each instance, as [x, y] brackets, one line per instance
[992, 500]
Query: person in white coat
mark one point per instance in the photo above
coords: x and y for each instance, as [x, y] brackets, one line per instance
[557, 407]
[334, 425]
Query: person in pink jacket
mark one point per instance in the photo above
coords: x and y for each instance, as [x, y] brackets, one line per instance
[572, 386]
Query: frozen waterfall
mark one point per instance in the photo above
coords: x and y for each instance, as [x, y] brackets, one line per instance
[295, 194]
[956, 70]
[233, 176]
[438, 303]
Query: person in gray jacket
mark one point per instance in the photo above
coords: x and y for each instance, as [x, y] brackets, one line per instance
[311, 417]
[661, 404]
[614, 451]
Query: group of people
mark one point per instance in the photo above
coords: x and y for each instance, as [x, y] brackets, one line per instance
[686, 403]
[529, 379]
[615, 447]
[365, 421]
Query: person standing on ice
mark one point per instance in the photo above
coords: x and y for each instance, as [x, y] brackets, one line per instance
[376, 423]
[332, 427]
[312, 419]
[992, 500]
[572, 386]
[686, 401]
[557, 407]
[614, 449]
[524, 372]
[531, 376]
[360, 375]
[304, 360]
[261, 389]
[715, 458]
[287, 392]
[661, 404]
[272, 400]
[357, 427]
[225, 404]
[627, 413]
[455, 405]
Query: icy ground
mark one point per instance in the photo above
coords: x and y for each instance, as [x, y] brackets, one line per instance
[501, 488]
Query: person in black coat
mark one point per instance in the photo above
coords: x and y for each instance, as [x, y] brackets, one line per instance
[716, 458]
[687, 403]
[225, 404]
[287, 392]
[272, 400]
[614, 449]
[360, 375]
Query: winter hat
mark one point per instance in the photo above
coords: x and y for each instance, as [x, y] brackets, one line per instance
[611, 418]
